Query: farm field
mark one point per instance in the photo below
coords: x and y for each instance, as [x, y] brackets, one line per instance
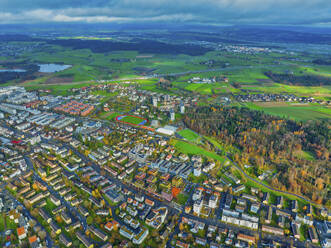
[254, 80]
[120, 64]
[248, 70]
[58, 89]
[207, 88]
[317, 70]
[276, 88]
[297, 112]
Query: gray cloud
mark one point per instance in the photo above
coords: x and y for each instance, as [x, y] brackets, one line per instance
[201, 11]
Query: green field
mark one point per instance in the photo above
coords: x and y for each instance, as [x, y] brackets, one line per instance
[87, 65]
[2, 222]
[247, 75]
[182, 198]
[57, 89]
[304, 155]
[189, 135]
[298, 113]
[254, 80]
[248, 70]
[321, 92]
[109, 115]
[201, 88]
[295, 112]
[106, 95]
[192, 149]
[84, 38]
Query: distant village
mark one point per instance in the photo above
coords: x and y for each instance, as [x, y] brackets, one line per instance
[278, 98]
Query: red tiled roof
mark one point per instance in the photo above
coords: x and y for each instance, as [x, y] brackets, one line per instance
[32, 239]
[20, 231]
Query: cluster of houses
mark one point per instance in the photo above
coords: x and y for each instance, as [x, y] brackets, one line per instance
[213, 236]
[269, 97]
[20, 224]
[204, 201]
[12, 50]
[75, 108]
[244, 49]
[137, 210]
[198, 80]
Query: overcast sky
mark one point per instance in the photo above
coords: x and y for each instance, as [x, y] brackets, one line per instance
[294, 12]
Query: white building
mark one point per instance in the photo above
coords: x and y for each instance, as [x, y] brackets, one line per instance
[197, 195]
[172, 115]
[141, 236]
[197, 206]
[167, 130]
[197, 171]
[154, 102]
[182, 108]
[213, 201]
[23, 126]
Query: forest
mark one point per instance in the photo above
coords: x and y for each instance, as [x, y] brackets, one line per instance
[322, 61]
[278, 34]
[272, 143]
[140, 45]
[17, 37]
[28, 74]
[305, 80]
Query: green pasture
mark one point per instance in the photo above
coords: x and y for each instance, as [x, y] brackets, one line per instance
[109, 116]
[296, 112]
[57, 89]
[191, 149]
[189, 135]
[304, 155]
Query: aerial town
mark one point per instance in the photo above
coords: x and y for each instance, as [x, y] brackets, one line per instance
[165, 124]
[70, 178]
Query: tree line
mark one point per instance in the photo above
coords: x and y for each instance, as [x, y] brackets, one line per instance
[305, 80]
[272, 143]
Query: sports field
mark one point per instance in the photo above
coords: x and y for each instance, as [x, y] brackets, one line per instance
[132, 120]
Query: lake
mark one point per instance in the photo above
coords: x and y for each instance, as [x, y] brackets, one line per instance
[49, 68]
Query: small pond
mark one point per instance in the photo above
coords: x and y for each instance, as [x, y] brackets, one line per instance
[50, 68]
